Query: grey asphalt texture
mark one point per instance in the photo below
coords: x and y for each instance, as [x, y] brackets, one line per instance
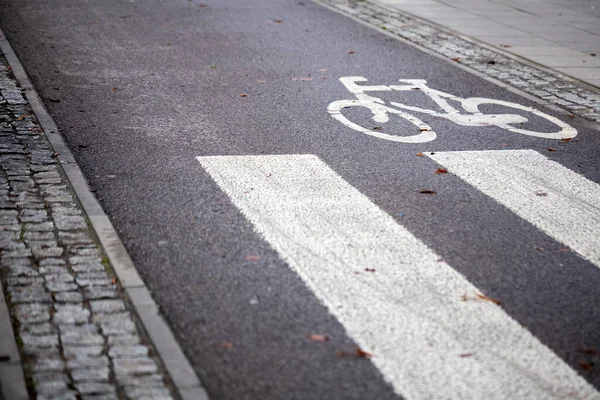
[141, 88]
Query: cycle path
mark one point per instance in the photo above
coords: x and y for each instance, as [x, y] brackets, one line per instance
[247, 266]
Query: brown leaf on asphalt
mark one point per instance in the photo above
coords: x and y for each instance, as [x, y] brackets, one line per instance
[351, 52]
[420, 155]
[586, 366]
[356, 353]
[551, 149]
[483, 297]
[566, 140]
[424, 129]
[252, 258]
[506, 46]
[370, 269]
[456, 59]
[278, 21]
[593, 54]
[441, 171]
[588, 351]
[425, 191]
[114, 90]
[242, 94]
[227, 345]
[22, 117]
[319, 338]
[361, 353]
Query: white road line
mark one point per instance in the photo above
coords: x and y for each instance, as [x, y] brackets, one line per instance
[426, 341]
[560, 202]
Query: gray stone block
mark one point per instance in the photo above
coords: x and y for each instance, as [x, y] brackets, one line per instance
[107, 306]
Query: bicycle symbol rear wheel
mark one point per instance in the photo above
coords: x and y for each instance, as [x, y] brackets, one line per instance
[380, 114]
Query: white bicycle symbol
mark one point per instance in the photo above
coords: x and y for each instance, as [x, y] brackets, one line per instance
[470, 105]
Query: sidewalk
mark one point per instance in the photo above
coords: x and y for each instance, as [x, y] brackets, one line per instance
[560, 34]
[85, 327]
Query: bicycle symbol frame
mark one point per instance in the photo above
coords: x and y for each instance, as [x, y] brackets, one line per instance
[473, 117]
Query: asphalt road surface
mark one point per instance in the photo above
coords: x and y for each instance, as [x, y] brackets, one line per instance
[258, 220]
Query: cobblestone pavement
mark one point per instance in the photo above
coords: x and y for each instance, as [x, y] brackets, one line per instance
[77, 336]
[552, 88]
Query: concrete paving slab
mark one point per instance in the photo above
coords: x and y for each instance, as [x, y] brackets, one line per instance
[555, 34]
[566, 61]
[547, 51]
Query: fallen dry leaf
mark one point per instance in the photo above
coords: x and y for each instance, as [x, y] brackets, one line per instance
[420, 155]
[593, 54]
[351, 52]
[114, 90]
[252, 258]
[319, 338]
[242, 94]
[572, 116]
[551, 149]
[586, 366]
[440, 171]
[356, 353]
[425, 191]
[456, 59]
[227, 345]
[362, 354]
[483, 297]
[114, 280]
[506, 46]
[22, 117]
[566, 140]
[424, 129]
[370, 269]
[278, 21]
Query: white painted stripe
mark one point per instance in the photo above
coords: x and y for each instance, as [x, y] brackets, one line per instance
[409, 312]
[560, 202]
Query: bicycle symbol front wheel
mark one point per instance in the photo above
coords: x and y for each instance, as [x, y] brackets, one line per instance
[380, 114]
[566, 131]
